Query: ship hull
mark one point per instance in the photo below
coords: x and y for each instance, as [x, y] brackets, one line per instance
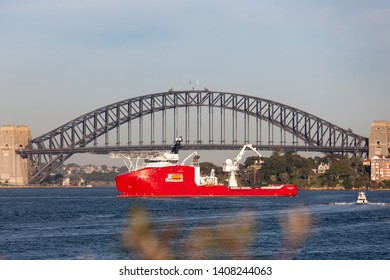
[180, 181]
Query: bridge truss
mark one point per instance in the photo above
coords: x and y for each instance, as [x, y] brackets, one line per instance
[205, 119]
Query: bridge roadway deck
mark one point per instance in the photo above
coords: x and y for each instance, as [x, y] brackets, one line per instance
[108, 149]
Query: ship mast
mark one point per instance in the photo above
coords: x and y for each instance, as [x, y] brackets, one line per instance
[177, 145]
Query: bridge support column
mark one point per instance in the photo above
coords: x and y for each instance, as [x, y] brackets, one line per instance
[379, 139]
[13, 167]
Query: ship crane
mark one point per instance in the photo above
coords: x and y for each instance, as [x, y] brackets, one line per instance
[232, 167]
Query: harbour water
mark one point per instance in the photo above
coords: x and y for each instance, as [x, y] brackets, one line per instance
[74, 223]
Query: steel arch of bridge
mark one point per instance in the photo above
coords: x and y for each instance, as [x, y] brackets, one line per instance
[229, 121]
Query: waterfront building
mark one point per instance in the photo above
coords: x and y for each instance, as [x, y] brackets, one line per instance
[380, 168]
[13, 168]
[379, 139]
[379, 150]
[322, 168]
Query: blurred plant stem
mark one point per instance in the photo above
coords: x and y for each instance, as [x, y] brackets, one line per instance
[139, 237]
[296, 227]
[229, 238]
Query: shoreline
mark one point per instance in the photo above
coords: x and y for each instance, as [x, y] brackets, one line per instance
[54, 187]
[92, 183]
[340, 189]
[101, 184]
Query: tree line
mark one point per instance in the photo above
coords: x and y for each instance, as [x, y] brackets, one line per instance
[344, 172]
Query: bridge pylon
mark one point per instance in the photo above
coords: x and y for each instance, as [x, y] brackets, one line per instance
[14, 168]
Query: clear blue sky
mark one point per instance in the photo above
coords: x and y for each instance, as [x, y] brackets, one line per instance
[60, 59]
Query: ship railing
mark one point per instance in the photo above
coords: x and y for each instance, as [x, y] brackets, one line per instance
[131, 159]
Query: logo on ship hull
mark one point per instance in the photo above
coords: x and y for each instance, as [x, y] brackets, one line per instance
[174, 177]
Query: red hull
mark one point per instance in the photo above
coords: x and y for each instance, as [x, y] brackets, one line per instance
[180, 181]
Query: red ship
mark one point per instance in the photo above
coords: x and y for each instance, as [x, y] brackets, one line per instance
[164, 176]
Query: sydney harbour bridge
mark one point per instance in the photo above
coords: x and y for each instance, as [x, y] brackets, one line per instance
[207, 120]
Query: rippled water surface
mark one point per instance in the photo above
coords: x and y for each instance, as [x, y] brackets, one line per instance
[88, 223]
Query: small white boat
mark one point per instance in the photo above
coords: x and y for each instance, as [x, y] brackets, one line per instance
[362, 199]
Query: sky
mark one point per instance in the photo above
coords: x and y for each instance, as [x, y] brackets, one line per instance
[60, 59]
